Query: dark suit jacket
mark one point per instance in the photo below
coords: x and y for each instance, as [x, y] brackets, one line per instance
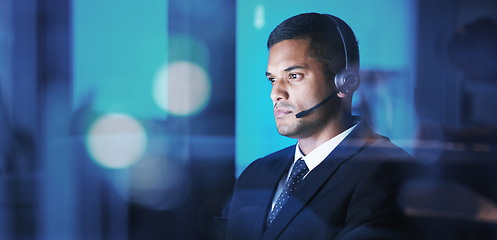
[352, 194]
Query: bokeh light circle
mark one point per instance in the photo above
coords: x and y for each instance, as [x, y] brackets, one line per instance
[116, 141]
[182, 88]
[156, 183]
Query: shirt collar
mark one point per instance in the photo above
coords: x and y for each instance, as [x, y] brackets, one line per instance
[316, 156]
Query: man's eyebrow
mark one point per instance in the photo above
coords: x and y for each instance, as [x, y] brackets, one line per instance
[288, 69]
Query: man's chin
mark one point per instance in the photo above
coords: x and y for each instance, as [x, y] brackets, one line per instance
[287, 131]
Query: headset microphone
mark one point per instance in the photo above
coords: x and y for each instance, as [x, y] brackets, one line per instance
[305, 112]
[346, 80]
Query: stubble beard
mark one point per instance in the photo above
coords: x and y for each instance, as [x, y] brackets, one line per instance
[298, 128]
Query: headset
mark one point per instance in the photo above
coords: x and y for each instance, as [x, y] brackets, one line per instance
[347, 81]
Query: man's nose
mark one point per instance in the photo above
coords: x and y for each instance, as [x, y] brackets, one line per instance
[279, 91]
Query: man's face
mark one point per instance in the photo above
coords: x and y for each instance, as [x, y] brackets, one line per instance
[299, 83]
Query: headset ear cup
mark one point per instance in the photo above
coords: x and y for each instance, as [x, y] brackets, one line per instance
[347, 81]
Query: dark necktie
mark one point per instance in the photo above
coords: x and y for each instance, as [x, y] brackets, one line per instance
[299, 170]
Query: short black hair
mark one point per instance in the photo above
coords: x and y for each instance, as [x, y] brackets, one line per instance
[324, 39]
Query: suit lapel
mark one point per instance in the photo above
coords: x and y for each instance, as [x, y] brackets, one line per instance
[353, 144]
[269, 180]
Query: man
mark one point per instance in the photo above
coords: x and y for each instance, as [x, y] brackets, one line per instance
[345, 183]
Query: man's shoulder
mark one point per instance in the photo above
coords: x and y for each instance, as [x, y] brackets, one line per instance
[272, 159]
[384, 146]
[276, 157]
[372, 144]
[285, 152]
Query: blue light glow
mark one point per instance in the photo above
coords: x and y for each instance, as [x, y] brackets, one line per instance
[155, 183]
[116, 141]
[182, 88]
[259, 18]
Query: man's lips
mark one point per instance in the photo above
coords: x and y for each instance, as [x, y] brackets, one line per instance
[279, 112]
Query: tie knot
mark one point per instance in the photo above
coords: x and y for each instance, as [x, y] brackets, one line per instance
[299, 169]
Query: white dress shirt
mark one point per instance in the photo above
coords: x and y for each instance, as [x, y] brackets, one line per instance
[314, 158]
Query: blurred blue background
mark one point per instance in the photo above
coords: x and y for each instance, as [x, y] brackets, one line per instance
[132, 120]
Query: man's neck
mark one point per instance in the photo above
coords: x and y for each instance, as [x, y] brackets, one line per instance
[312, 142]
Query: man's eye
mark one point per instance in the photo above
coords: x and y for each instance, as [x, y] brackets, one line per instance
[271, 80]
[294, 75]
